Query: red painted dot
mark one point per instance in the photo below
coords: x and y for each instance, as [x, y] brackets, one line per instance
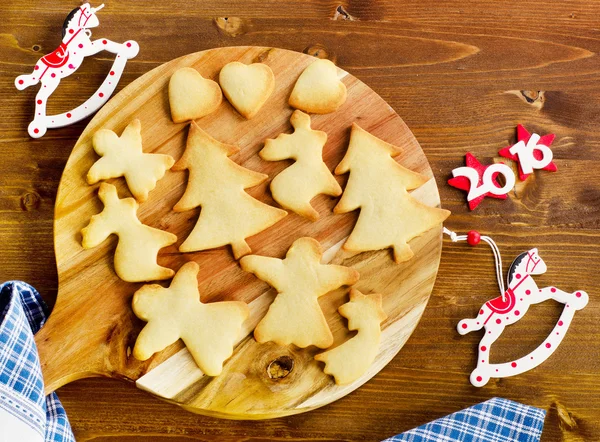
[80, 46]
[69, 115]
[464, 326]
[112, 72]
[518, 276]
[481, 312]
[560, 323]
[496, 370]
[53, 75]
[489, 333]
[520, 299]
[71, 31]
[517, 312]
[553, 290]
[104, 42]
[21, 81]
[498, 321]
[128, 45]
[548, 345]
[557, 333]
[483, 348]
[531, 357]
[477, 322]
[473, 237]
[513, 364]
[36, 131]
[528, 292]
[101, 94]
[39, 102]
[578, 294]
[479, 379]
[36, 67]
[483, 361]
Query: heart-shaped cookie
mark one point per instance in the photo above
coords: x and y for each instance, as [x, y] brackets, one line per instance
[192, 96]
[247, 87]
[318, 89]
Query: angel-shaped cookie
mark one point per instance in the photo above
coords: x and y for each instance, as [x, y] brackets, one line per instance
[295, 316]
[309, 176]
[349, 361]
[123, 156]
[137, 250]
[378, 185]
[209, 331]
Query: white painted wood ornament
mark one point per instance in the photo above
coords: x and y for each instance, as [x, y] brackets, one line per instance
[511, 306]
[66, 59]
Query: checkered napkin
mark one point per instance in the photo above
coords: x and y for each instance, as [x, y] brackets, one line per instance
[25, 414]
[496, 420]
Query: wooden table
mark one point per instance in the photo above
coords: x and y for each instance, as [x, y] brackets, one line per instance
[462, 75]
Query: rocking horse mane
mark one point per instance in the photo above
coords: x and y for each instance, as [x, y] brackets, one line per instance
[513, 267]
[67, 20]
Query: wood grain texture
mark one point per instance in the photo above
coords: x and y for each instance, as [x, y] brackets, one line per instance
[461, 74]
[93, 304]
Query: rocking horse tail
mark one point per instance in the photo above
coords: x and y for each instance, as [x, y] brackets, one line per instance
[24, 81]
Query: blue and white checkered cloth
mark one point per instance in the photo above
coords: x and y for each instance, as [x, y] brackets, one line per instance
[496, 420]
[22, 401]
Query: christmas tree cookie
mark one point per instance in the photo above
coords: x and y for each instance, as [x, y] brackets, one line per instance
[349, 361]
[378, 185]
[135, 256]
[309, 176]
[123, 156]
[295, 316]
[209, 331]
[229, 215]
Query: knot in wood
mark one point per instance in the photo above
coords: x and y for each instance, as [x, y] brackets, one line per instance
[231, 26]
[36, 48]
[320, 51]
[280, 367]
[30, 201]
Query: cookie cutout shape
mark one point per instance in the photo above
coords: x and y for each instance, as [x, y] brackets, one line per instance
[229, 215]
[318, 89]
[309, 176]
[350, 360]
[123, 156]
[295, 316]
[137, 250]
[247, 87]
[192, 96]
[378, 185]
[209, 331]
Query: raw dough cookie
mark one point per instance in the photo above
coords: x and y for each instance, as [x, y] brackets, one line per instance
[192, 96]
[123, 156]
[229, 215]
[209, 331]
[308, 176]
[247, 87]
[295, 316]
[349, 361]
[318, 89]
[135, 256]
[378, 185]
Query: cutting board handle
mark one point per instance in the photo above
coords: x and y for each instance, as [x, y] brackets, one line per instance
[66, 349]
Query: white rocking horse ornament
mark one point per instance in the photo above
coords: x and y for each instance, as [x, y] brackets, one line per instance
[66, 59]
[511, 306]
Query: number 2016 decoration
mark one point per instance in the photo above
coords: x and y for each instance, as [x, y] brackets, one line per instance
[66, 59]
[530, 152]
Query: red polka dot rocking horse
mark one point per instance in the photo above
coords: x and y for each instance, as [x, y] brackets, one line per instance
[66, 59]
[511, 306]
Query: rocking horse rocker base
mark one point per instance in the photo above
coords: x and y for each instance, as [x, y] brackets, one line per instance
[507, 309]
[66, 59]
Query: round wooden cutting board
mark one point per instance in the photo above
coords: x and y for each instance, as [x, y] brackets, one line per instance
[92, 329]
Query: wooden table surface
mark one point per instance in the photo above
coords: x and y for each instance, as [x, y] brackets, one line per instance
[461, 74]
